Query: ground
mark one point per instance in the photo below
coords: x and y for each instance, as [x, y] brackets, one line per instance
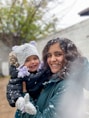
[5, 110]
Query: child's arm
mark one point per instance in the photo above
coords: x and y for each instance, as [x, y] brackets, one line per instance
[13, 90]
[15, 87]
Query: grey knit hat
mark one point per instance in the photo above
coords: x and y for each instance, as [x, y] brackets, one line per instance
[24, 51]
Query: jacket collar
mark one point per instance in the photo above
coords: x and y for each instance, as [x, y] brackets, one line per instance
[53, 79]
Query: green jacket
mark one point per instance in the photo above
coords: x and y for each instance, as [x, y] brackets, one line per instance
[48, 100]
[60, 99]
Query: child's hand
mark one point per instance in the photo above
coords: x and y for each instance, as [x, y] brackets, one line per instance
[13, 59]
[24, 105]
[29, 107]
[20, 103]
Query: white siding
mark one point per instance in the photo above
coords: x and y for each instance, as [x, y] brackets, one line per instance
[78, 33]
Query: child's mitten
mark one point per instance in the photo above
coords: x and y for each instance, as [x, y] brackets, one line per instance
[29, 107]
[20, 103]
[13, 59]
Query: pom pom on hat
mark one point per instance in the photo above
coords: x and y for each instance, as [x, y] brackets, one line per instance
[33, 43]
[24, 51]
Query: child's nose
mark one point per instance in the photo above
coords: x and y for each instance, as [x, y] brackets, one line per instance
[32, 61]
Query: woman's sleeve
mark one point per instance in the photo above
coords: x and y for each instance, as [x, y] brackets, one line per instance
[85, 76]
[50, 110]
[67, 102]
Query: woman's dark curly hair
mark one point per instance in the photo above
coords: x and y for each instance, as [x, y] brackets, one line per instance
[70, 50]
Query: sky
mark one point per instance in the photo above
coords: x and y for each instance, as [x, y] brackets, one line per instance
[67, 11]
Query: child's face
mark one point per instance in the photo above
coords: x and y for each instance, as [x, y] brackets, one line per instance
[32, 63]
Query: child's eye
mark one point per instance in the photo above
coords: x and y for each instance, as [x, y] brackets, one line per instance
[35, 58]
[27, 60]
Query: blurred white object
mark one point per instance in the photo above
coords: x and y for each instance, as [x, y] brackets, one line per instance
[5, 68]
[86, 94]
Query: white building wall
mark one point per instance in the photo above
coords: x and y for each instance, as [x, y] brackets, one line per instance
[4, 66]
[78, 33]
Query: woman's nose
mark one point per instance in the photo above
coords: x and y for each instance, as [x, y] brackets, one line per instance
[53, 58]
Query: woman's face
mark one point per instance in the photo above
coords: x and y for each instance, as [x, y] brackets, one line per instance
[32, 62]
[55, 58]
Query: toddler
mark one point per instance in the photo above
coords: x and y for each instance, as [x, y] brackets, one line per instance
[29, 71]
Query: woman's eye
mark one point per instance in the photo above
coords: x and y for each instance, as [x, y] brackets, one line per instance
[48, 55]
[58, 54]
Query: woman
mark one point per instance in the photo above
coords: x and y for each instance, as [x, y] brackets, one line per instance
[61, 56]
